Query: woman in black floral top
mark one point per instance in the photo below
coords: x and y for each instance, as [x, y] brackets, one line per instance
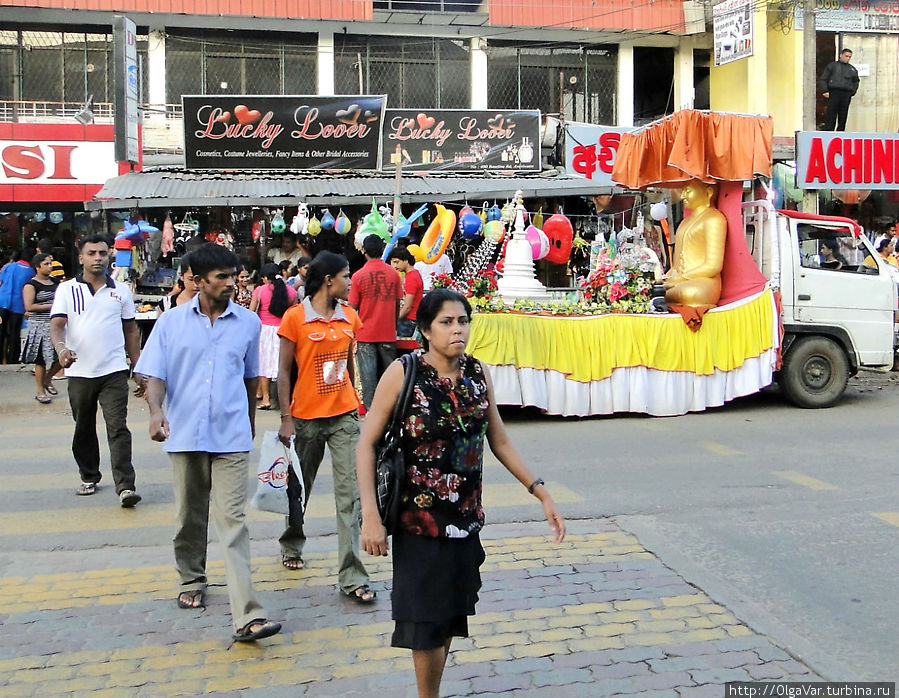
[436, 550]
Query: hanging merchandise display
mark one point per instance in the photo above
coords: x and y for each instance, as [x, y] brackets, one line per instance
[168, 237]
[327, 220]
[494, 230]
[537, 218]
[300, 221]
[342, 224]
[494, 214]
[314, 227]
[538, 240]
[439, 233]
[470, 225]
[56, 217]
[560, 233]
[373, 224]
[402, 229]
[278, 223]
[507, 214]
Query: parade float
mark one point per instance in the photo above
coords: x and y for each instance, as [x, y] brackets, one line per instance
[723, 331]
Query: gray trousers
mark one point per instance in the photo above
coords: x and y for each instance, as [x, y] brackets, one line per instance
[198, 475]
[372, 359]
[340, 433]
[111, 392]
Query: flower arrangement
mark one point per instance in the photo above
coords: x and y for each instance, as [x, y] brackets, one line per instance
[620, 283]
[442, 281]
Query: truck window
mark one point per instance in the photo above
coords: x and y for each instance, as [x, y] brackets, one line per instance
[836, 249]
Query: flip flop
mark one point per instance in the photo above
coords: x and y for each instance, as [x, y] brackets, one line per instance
[264, 407]
[192, 599]
[266, 629]
[50, 390]
[357, 594]
[43, 399]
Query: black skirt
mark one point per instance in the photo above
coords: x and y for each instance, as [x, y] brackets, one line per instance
[435, 587]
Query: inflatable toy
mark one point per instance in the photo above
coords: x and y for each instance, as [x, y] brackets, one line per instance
[342, 224]
[438, 235]
[417, 252]
[327, 220]
[560, 233]
[470, 225]
[300, 221]
[495, 231]
[494, 214]
[278, 224]
[538, 240]
[403, 228]
[314, 226]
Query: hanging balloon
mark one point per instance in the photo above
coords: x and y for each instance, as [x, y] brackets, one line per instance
[494, 230]
[560, 233]
[257, 231]
[342, 224]
[494, 214]
[327, 220]
[470, 225]
[538, 240]
[659, 211]
[465, 209]
[482, 214]
[278, 224]
[538, 219]
[314, 226]
[417, 252]
[373, 224]
[507, 215]
[56, 217]
[402, 228]
[39, 217]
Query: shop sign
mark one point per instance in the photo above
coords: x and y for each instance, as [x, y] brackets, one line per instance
[873, 16]
[56, 162]
[733, 21]
[126, 79]
[454, 140]
[839, 160]
[251, 132]
[590, 151]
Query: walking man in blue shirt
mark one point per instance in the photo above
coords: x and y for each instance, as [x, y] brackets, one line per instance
[202, 359]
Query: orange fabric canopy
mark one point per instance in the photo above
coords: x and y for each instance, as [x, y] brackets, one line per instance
[694, 144]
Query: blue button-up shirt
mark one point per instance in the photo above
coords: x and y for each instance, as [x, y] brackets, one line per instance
[204, 365]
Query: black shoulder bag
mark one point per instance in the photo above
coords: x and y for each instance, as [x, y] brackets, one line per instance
[390, 466]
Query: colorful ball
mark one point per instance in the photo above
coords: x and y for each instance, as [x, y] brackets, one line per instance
[538, 240]
[314, 227]
[342, 224]
[470, 225]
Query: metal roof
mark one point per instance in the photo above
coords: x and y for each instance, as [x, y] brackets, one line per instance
[181, 188]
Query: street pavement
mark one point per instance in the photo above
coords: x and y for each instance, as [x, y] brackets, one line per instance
[87, 595]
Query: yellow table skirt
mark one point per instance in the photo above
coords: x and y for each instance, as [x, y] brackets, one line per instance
[589, 348]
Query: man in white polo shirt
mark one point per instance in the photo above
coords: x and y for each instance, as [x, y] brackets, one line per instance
[92, 327]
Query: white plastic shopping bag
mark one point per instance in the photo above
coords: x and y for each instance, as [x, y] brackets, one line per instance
[275, 462]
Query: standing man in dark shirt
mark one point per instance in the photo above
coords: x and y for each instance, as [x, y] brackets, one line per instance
[839, 83]
[376, 292]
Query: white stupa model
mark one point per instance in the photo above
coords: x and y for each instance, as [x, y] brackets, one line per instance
[519, 279]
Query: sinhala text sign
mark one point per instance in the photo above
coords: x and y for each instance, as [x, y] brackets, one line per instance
[234, 132]
[590, 151]
[733, 22]
[839, 160]
[462, 139]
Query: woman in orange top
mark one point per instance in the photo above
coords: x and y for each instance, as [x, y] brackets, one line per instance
[319, 336]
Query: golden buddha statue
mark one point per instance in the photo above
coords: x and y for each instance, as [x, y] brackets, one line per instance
[695, 275]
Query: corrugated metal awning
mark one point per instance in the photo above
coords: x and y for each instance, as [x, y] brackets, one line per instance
[179, 188]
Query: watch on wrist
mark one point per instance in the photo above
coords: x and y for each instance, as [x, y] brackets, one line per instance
[535, 483]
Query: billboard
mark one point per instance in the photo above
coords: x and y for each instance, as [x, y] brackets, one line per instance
[590, 151]
[454, 140]
[258, 132]
[840, 160]
[733, 21]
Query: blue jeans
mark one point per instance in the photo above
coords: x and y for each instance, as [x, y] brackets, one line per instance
[373, 358]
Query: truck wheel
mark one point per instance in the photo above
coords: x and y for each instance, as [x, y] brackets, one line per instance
[815, 372]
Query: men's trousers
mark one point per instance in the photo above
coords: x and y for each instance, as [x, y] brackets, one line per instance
[373, 358]
[221, 477]
[837, 110]
[340, 433]
[111, 392]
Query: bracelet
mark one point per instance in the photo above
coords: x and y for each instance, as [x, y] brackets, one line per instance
[56, 346]
[286, 415]
[534, 484]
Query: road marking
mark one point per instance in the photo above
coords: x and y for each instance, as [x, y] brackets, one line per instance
[321, 506]
[804, 480]
[720, 449]
[891, 517]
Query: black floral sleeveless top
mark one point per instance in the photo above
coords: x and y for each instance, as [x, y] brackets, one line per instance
[443, 444]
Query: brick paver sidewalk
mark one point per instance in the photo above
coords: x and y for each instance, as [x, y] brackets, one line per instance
[597, 616]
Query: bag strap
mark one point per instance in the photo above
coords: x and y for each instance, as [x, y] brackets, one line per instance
[410, 365]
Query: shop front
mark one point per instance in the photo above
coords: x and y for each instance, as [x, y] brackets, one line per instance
[47, 172]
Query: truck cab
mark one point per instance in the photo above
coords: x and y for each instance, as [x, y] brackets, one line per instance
[838, 296]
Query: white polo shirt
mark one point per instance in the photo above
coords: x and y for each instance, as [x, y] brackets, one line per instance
[94, 325]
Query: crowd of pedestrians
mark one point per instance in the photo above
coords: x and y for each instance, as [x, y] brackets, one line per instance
[204, 370]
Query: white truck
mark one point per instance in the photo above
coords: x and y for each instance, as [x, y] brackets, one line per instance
[838, 314]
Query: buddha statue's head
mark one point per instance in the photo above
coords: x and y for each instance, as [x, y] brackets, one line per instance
[697, 193]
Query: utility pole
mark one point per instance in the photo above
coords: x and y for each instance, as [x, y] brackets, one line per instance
[809, 89]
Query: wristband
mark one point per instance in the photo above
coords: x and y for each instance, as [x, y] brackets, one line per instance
[534, 484]
[56, 346]
[286, 415]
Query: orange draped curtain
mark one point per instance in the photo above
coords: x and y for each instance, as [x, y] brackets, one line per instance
[692, 144]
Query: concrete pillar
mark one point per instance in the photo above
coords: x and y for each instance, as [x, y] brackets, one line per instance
[479, 74]
[156, 93]
[625, 91]
[684, 94]
[326, 63]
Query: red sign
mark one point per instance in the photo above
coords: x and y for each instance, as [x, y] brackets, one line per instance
[827, 160]
[56, 162]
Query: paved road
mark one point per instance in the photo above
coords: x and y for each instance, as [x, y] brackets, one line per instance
[739, 543]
